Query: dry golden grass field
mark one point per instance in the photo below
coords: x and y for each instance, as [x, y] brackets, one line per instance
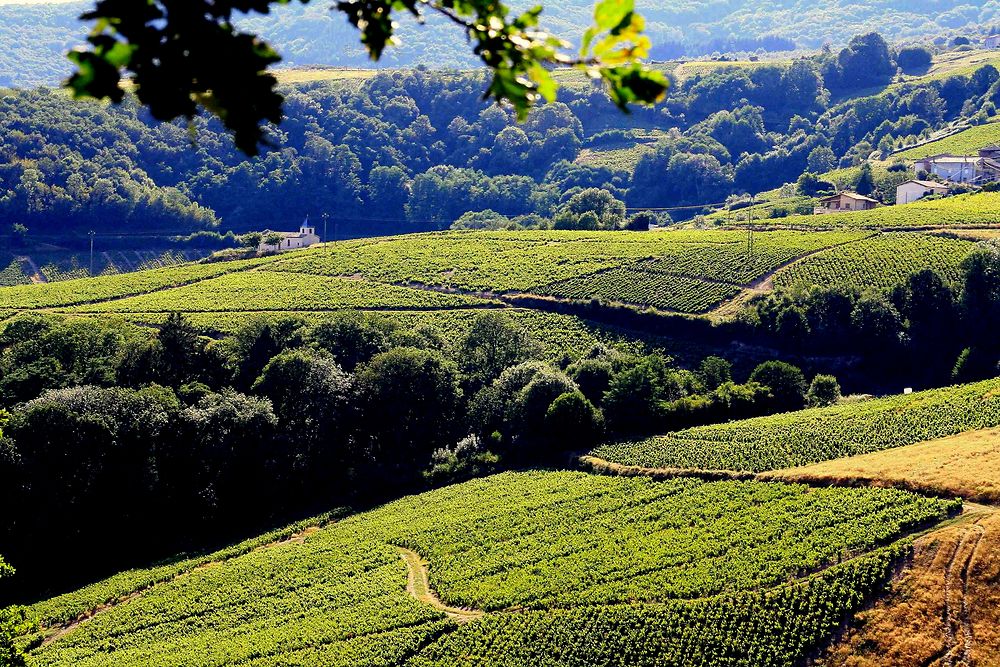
[966, 465]
[943, 610]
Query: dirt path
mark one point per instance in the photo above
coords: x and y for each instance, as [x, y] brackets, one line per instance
[57, 631]
[36, 275]
[418, 585]
[959, 639]
[765, 283]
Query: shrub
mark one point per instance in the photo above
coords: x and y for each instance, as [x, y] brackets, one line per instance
[824, 391]
[787, 384]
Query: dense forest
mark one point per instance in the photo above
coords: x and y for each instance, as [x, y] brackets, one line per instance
[420, 149]
[37, 36]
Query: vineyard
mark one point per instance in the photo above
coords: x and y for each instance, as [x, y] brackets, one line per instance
[966, 142]
[645, 288]
[688, 272]
[91, 290]
[879, 263]
[819, 434]
[573, 569]
[261, 290]
[968, 210]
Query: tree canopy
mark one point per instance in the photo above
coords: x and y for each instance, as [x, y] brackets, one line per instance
[187, 55]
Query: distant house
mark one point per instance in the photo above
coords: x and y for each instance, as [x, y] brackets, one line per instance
[973, 169]
[306, 236]
[845, 201]
[911, 191]
[992, 42]
[991, 152]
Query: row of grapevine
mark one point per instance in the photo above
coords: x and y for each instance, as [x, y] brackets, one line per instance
[777, 628]
[89, 290]
[261, 290]
[819, 434]
[878, 263]
[605, 571]
[645, 288]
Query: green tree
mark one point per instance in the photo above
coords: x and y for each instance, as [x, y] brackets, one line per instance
[823, 390]
[913, 58]
[410, 402]
[786, 382]
[866, 181]
[183, 56]
[714, 372]
[572, 422]
[821, 160]
[352, 337]
[313, 399]
[493, 343]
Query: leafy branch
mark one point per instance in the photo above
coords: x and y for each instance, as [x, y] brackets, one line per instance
[182, 56]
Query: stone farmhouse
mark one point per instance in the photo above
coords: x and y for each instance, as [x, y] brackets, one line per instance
[844, 201]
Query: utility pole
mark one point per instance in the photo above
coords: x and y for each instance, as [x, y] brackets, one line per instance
[750, 226]
[91, 234]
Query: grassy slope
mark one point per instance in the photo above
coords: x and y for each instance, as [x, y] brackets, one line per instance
[548, 541]
[966, 142]
[944, 610]
[965, 465]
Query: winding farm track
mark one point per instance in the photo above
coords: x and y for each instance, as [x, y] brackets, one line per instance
[959, 638]
[765, 283]
[418, 585]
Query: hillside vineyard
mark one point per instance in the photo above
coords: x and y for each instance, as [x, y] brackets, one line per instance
[373, 335]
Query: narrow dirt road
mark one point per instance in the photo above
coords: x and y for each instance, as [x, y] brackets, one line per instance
[418, 585]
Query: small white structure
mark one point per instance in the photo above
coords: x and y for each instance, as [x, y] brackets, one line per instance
[911, 191]
[306, 236]
[974, 169]
[844, 201]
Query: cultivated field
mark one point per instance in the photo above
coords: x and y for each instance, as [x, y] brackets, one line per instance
[879, 263]
[667, 571]
[820, 434]
[965, 465]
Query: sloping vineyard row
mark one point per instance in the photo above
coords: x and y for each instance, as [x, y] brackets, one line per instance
[281, 291]
[644, 288]
[878, 264]
[819, 434]
[339, 597]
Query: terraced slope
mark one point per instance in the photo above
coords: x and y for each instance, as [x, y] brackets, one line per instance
[820, 434]
[966, 142]
[570, 569]
[969, 210]
[879, 263]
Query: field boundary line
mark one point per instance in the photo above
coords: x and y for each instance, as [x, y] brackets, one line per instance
[62, 629]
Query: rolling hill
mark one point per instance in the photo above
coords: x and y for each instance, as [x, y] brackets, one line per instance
[657, 566]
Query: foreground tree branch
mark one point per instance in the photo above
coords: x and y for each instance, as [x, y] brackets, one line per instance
[182, 56]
